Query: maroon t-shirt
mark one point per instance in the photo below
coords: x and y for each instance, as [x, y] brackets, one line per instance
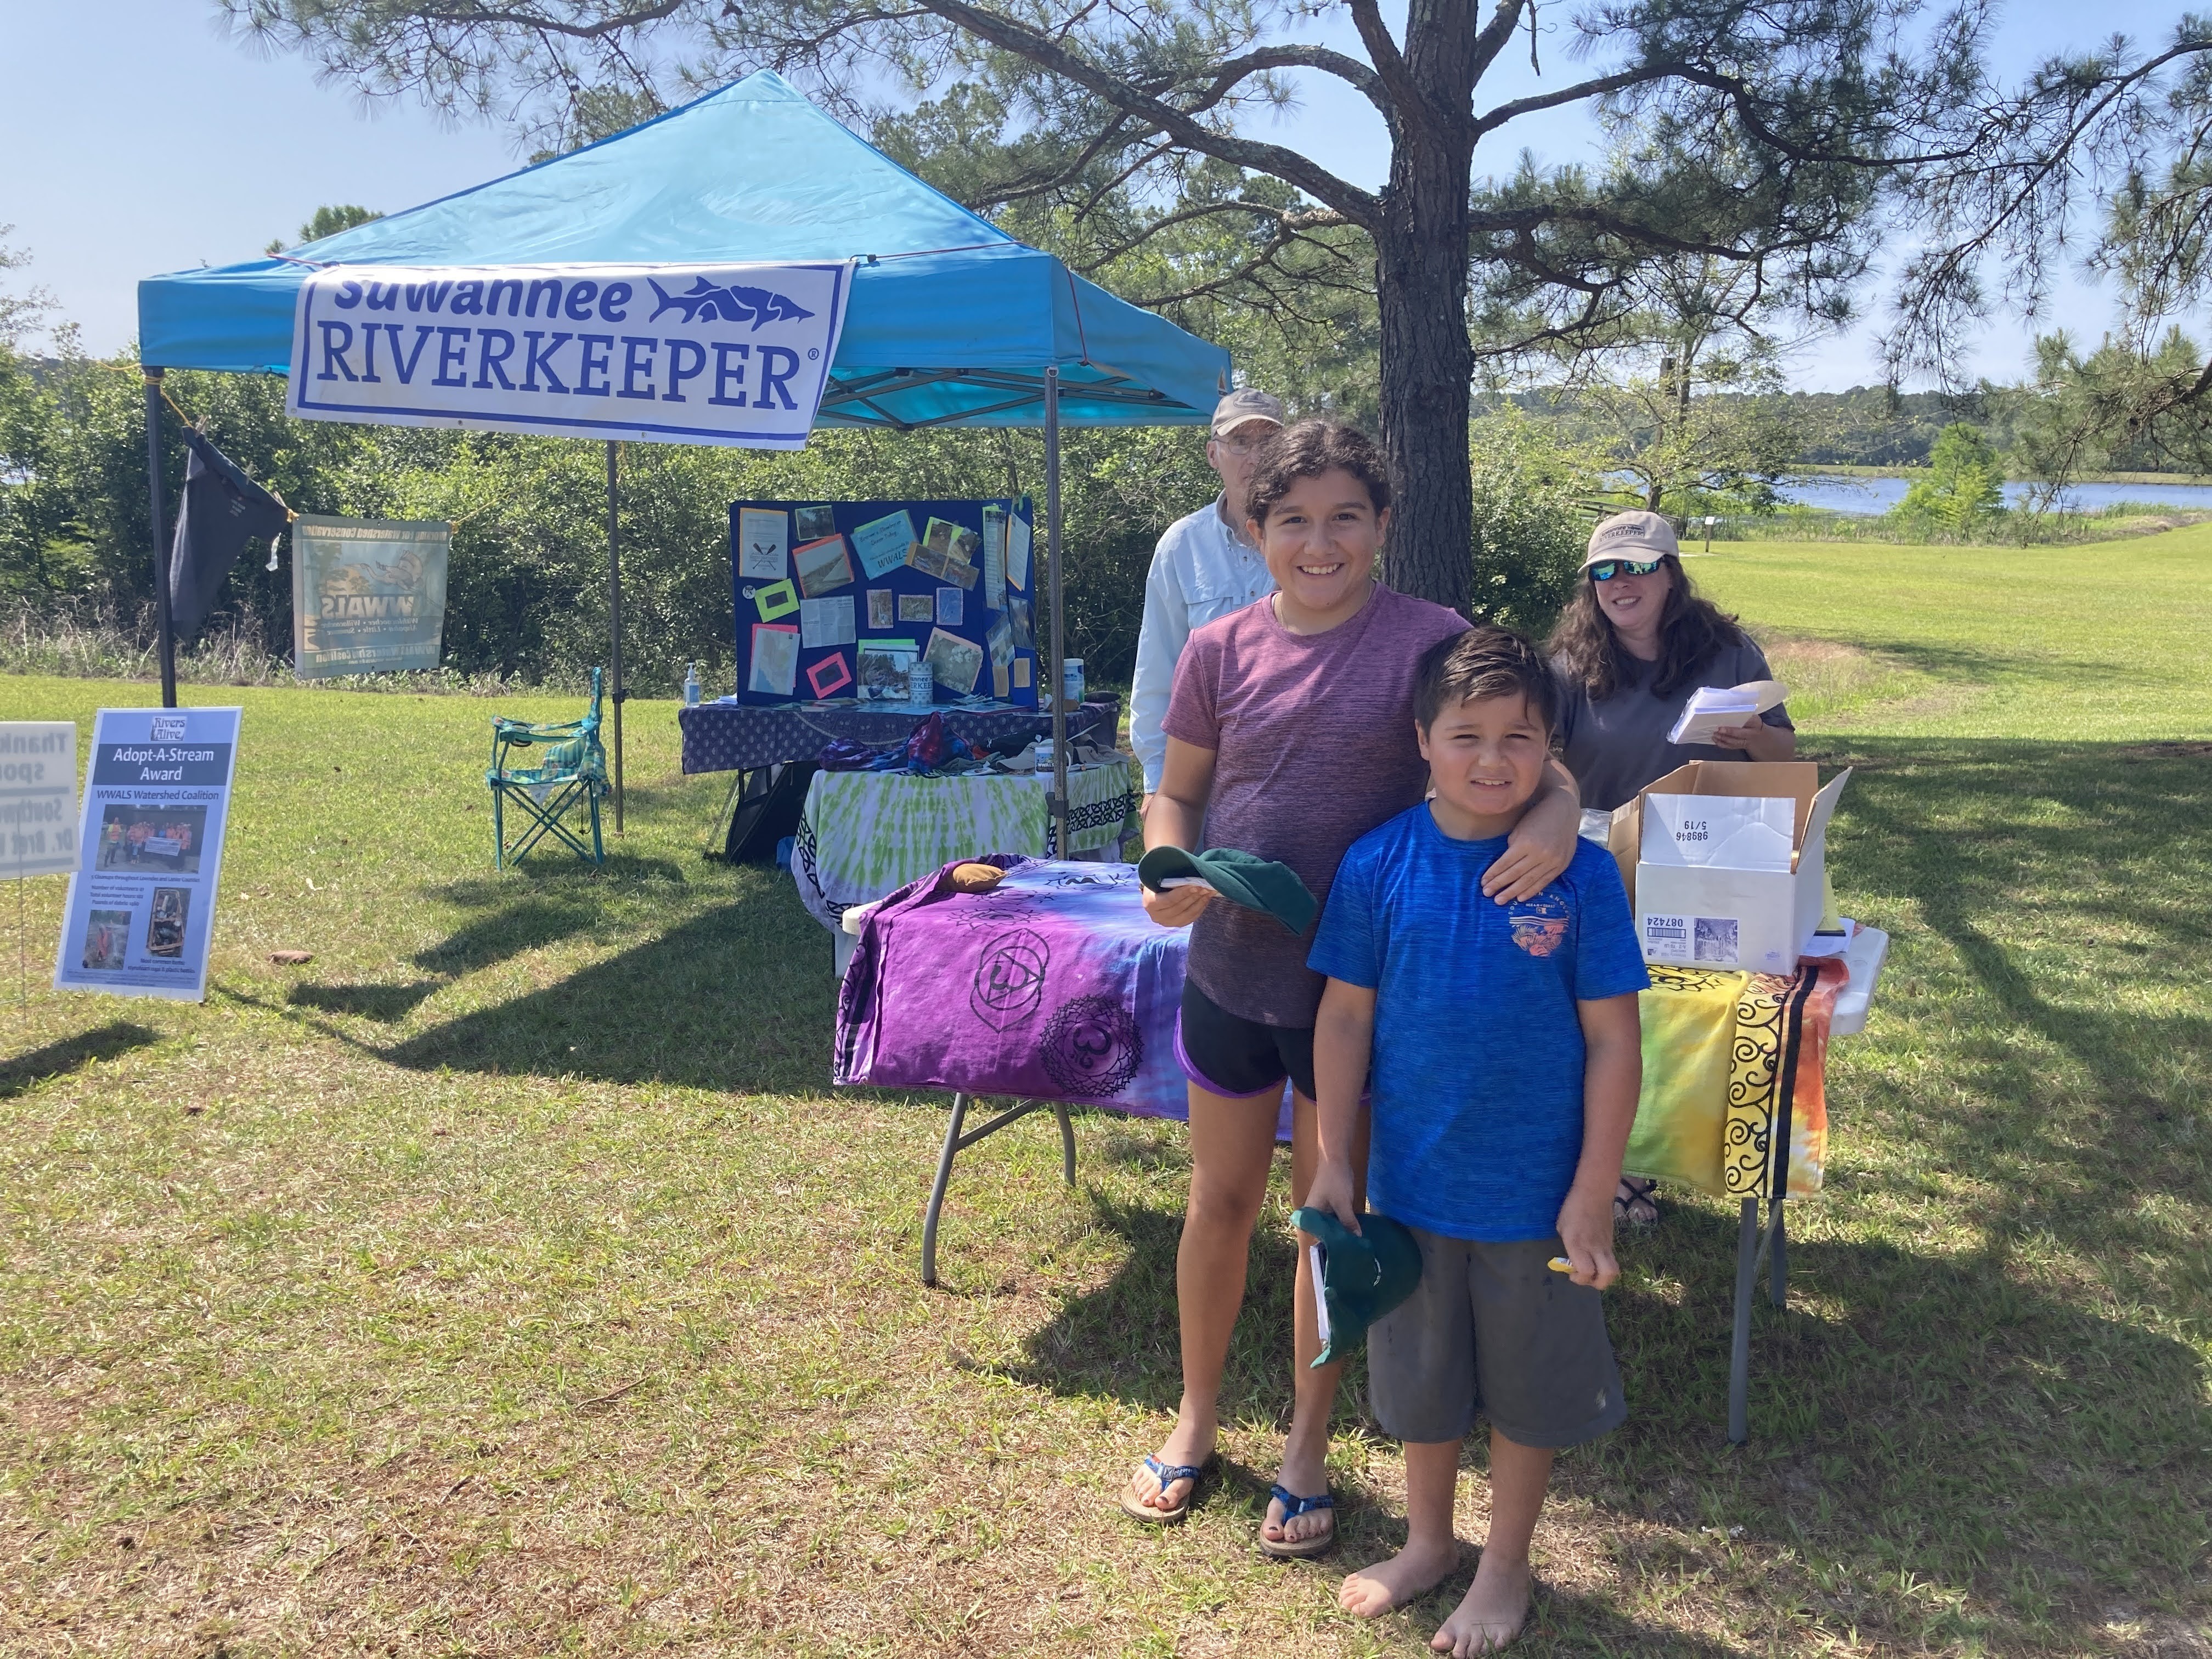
[1313, 746]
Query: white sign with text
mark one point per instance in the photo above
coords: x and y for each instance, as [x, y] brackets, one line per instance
[734, 354]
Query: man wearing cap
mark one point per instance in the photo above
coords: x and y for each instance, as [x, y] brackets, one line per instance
[1202, 568]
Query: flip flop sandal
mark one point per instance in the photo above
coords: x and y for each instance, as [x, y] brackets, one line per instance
[1633, 1191]
[1167, 1474]
[1294, 1506]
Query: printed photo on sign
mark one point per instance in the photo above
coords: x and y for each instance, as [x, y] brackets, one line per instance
[928, 560]
[939, 536]
[165, 928]
[816, 522]
[821, 565]
[882, 612]
[1018, 618]
[916, 608]
[151, 839]
[966, 544]
[884, 665]
[882, 543]
[107, 940]
[950, 606]
[954, 662]
[761, 543]
[966, 575]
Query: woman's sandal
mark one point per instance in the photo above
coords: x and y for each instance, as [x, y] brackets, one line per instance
[1167, 1474]
[1298, 1549]
[1633, 1206]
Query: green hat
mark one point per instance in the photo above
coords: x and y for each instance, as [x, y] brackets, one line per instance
[1244, 879]
[1363, 1275]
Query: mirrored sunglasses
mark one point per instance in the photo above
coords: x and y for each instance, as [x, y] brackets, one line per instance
[1606, 570]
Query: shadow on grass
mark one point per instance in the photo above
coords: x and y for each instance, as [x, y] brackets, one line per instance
[741, 998]
[68, 1054]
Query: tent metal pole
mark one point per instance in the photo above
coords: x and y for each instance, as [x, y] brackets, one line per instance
[614, 619]
[153, 519]
[1052, 677]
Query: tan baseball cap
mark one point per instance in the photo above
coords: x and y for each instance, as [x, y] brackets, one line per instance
[1632, 536]
[1248, 404]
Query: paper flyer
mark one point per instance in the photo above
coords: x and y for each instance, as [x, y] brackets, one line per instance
[995, 556]
[1018, 551]
[882, 543]
[141, 901]
[826, 621]
[774, 659]
[762, 537]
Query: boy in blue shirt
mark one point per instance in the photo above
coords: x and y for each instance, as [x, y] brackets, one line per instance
[1506, 1058]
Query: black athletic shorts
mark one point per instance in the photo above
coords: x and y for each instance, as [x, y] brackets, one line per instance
[1225, 1054]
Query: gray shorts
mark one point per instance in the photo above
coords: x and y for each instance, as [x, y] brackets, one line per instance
[1493, 1332]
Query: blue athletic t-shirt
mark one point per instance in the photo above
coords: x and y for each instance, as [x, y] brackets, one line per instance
[1477, 1075]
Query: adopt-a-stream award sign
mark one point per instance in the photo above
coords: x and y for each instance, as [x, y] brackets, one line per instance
[150, 845]
[368, 595]
[725, 354]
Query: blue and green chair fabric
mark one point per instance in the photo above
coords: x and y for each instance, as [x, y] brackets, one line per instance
[555, 774]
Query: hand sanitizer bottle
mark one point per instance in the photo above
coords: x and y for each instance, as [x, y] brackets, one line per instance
[691, 685]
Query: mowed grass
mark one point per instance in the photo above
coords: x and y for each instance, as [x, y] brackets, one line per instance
[508, 1280]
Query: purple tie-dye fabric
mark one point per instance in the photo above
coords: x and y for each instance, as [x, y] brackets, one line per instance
[1056, 985]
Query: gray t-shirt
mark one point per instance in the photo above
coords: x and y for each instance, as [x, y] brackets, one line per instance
[1617, 747]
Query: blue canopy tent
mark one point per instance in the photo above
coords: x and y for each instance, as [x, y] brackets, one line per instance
[951, 322]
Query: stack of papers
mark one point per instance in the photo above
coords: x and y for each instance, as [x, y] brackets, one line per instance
[1710, 708]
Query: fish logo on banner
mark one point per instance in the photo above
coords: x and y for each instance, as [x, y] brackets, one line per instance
[740, 356]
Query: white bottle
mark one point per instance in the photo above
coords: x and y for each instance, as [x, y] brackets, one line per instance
[691, 685]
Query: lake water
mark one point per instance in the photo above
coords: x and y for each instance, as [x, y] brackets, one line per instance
[1879, 495]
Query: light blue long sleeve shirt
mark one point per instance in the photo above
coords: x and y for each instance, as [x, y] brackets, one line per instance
[1200, 571]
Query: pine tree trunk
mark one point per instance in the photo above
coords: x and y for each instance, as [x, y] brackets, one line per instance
[1421, 260]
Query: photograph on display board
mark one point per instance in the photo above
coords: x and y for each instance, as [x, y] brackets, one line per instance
[107, 940]
[152, 838]
[955, 662]
[821, 566]
[165, 928]
[815, 522]
[917, 607]
[882, 608]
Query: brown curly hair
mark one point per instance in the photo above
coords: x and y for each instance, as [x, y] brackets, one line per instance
[1690, 629]
[1308, 450]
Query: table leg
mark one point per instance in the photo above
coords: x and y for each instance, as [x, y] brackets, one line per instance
[1066, 1142]
[937, 1191]
[1777, 1289]
[1746, 1272]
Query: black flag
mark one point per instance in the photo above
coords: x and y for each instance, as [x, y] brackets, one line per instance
[223, 510]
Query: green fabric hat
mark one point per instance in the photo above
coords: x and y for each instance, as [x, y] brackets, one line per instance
[1363, 1275]
[1244, 879]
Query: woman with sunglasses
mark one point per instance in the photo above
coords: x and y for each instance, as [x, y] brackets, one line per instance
[1633, 643]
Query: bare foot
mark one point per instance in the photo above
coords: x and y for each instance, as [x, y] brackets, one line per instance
[1305, 1472]
[1490, 1614]
[1414, 1571]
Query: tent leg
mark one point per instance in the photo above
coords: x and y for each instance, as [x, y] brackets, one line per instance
[168, 635]
[614, 621]
[1747, 1275]
[1051, 678]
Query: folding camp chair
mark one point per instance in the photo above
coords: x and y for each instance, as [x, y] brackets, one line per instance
[571, 771]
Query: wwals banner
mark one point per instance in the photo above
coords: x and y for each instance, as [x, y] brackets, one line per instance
[736, 354]
[369, 596]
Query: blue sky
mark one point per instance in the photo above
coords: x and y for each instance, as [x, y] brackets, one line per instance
[141, 139]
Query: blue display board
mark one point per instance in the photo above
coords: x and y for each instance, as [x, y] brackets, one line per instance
[832, 597]
[142, 902]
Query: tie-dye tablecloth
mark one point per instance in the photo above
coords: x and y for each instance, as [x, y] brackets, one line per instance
[863, 834]
[1058, 987]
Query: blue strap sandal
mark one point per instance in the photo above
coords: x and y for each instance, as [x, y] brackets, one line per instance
[1167, 1474]
[1298, 1549]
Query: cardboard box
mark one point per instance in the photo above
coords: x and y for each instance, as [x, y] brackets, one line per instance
[1697, 914]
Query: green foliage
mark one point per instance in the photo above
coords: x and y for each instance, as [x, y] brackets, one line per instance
[1964, 489]
[527, 593]
[329, 222]
[1533, 496]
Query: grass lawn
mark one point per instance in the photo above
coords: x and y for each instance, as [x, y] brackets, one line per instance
[508, 1281]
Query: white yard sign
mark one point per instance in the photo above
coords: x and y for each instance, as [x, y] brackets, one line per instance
[38, 797]
[736, 354]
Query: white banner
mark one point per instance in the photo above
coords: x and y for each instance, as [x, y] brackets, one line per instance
[736, 354]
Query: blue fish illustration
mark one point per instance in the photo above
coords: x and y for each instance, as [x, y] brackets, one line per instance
[705, 302]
